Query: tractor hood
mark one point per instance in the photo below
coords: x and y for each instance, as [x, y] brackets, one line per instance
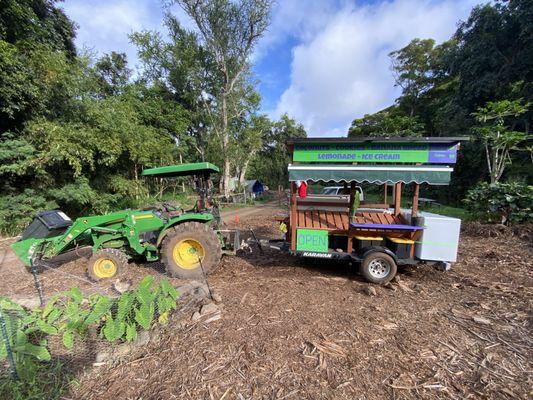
[171, 171]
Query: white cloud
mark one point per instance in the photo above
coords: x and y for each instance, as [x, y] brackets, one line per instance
[343, 70]
[295, 18]
[104, 25]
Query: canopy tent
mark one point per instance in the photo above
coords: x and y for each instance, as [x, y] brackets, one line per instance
[378, 174]
[171, 171]
[254, 186]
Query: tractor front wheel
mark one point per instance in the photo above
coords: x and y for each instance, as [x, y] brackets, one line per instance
[106, 263]
[188, 244]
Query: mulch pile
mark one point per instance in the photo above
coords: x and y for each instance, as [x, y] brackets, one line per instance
[297, 329]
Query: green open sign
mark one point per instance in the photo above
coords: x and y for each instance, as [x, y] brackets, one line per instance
[312, 240]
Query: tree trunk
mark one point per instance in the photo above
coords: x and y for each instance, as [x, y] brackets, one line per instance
[242, 172]
[226, 165]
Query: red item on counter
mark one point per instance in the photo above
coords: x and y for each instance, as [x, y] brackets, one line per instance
[302, 190]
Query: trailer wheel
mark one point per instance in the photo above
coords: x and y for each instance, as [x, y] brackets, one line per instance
[185, 244]
[106, 263]
[378, 267]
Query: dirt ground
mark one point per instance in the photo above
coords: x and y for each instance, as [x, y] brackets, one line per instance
[298, 329]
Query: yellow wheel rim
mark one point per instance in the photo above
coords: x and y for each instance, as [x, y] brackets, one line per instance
[104, 268]
[187, 252]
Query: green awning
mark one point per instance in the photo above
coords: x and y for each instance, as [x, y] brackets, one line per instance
[170, 171]
[378, 174]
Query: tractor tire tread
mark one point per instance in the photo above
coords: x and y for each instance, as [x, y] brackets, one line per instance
[120, 258]
[199, 231]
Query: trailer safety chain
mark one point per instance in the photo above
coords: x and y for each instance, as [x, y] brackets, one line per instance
[10, 357]
[205, 278]
[257, 241]
[36, 281]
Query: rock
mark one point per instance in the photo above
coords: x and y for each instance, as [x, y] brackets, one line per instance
[121, 286]
[370, 291]
[215, 317]
[196, 316]
[101, 357]
[481, 320]
[27, 302]
[404, 287]
[184, 289]
[182, 324]
[122, 349]
[201, 291]
[217, 298]
[142, 339]
[418, 288]
[208, 309]
[396, 278]
[390, 287]
[389, 325]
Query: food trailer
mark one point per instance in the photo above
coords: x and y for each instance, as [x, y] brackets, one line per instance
[379, 236]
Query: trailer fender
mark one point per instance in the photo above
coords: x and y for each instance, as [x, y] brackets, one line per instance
[380, 249]
[198, 217]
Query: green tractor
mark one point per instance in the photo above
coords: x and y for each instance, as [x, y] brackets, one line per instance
[183, 240]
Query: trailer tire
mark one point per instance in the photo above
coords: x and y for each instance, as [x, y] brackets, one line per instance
[378, 267]
[106, 264]
[182, 246]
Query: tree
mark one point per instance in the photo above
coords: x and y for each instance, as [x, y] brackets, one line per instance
[112, 73]
[184, 72]
[386, 123]
[229, 30]
[270, 163]
[31, 23]
[412, 70]
[248, 142]
[498, 139]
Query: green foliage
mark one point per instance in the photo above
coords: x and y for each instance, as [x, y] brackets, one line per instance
[501, 202]
[72, 316]
[17, 210]
[498, 139]
[461, 85]
[75, 133]
[270, 163]
[412, 68]
[386, 123]
[115, 320]
[37, 381]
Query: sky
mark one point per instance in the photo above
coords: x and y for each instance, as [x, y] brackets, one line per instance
[323, 62]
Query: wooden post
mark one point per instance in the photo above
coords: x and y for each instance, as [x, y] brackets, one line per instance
[349, 247]
[293, 221]
[352, 194]
[397, 198]
[385, 194]
[414, 210]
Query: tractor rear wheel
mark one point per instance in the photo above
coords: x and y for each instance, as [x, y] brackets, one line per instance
[186, 244]
[106, 263]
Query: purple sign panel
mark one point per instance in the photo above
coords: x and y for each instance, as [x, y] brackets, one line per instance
[442, 154]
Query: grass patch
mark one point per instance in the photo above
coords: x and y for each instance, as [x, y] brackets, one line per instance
[449, 211]
[37, 381]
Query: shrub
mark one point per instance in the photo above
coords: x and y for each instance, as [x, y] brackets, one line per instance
[505, 203]
[16, 211]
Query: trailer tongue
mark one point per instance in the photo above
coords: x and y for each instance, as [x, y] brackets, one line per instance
[380, 235]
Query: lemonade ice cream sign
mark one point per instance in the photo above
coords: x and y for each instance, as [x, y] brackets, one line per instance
[427, 153]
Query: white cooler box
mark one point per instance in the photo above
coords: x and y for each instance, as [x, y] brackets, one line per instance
[440, 237]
